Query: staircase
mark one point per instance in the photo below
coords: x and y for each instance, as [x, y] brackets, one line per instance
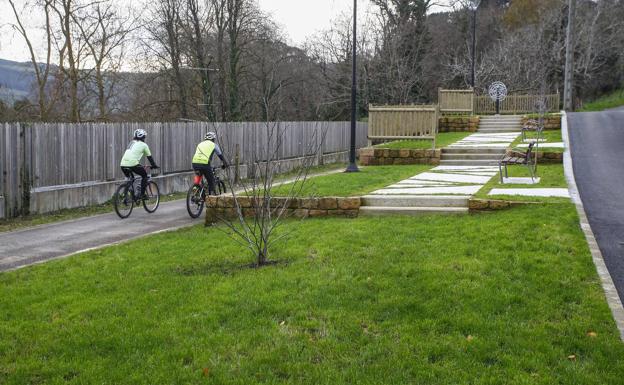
[482, 154]
[500, 124]
[414, 204]
[476, 156]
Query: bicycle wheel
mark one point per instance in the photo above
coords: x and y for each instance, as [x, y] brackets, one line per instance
[123, 201]
[153, 197]
[221, 188]
[194, 201]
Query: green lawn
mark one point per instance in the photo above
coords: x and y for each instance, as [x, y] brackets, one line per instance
[504, 298]
[369, 179]
[552, 176]
[443, 139]
[615, 99]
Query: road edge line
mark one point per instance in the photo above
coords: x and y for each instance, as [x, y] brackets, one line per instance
[610, 291]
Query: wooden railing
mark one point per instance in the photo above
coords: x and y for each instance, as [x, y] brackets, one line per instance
[517, 104]
[456, 101]
[403, 122]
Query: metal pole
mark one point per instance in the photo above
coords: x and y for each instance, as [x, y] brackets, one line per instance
[568, 83]
[352, 166]
[474, 45]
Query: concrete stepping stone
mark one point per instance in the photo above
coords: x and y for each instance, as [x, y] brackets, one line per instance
[457, 178]
[515, 180]
[474, 168]
[546, 145]
[532, 192]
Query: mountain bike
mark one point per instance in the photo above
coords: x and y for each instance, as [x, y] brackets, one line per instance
[127, 195]
[196, 195]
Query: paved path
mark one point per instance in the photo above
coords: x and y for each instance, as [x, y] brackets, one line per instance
[597, 145]
[41, 243]
[37, 244]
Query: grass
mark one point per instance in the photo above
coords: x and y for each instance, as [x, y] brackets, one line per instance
[612, 100]
[443, 139]
[477, 300]
[369, 179]
[550, 136]
[552, 176]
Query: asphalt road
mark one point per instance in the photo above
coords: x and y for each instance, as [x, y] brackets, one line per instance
[597, 149]
[41, 243]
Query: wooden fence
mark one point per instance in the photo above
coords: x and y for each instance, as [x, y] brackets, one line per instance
[456, 101]
[518, 104]
[42, 155]
[402, 122]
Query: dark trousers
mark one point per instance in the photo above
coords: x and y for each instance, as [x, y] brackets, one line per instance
[206, 171]
[139, 170]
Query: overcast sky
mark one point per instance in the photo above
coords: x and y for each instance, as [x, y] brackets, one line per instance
[299, 19]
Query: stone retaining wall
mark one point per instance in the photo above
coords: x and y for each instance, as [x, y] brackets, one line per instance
[549, 157]
[475, 205]
[458, 124]
[384, 156]
[224, 207]
[552, 122]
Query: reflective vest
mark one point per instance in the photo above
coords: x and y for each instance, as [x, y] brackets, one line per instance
[204, 152]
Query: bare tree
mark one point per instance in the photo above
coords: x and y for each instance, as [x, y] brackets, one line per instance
[105, 33]
[42, 69]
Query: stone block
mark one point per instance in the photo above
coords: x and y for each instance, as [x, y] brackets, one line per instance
[294, 203]
[249, 212]
[477, 204]
[211, 201]
[318, 213]
[365, 160]
[404, 153]
[327, 204]
[351, 213]
[395, 153]
[351, 203]
[225, 202]
[369, 151]
[498, 205]
[244, 201]
[301, 213]
[308, 203]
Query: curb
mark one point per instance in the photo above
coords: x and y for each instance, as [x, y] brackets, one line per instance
[611, 294]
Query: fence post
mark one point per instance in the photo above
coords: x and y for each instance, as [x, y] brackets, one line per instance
[25, 152]
[237, 164]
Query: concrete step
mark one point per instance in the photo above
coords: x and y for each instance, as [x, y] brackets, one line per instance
[475, 150]
[488, 125]
[497, 130]
[501, 117]
[373, 210]
[514, 120]
[415, 201]
[467, 156]
[472, 162]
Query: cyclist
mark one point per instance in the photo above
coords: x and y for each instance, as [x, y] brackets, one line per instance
[203, 155]
[131, 161]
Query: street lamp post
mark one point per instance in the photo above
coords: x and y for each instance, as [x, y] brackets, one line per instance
[473, 5]
[207, 100]
[352, 166]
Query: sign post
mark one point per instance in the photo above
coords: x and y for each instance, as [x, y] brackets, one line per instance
[498, 93]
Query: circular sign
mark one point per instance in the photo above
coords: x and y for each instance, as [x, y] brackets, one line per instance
[498, 91]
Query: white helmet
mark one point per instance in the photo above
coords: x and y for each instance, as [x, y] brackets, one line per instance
[140, 134]
[210, 136]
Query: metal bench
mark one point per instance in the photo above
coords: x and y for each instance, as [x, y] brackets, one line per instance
[532, 125]
[516, 157]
